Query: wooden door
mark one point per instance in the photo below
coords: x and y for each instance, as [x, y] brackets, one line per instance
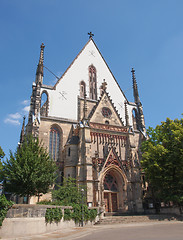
[114, 202]
[106, 200]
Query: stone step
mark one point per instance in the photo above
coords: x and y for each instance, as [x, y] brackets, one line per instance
[139, 218]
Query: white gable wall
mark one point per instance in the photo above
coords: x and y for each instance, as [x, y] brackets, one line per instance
[69, 85]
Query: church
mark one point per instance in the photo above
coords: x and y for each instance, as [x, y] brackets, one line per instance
[91, 130]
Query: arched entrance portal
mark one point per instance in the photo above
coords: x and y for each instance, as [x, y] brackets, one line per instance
[111, 192]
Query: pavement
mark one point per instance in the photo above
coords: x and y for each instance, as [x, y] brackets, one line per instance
[122, 231]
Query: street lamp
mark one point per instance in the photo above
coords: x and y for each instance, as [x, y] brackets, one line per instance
[82, 202]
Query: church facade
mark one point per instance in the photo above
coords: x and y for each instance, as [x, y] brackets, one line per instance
[91, 130]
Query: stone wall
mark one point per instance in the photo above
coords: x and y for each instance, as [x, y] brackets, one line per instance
[25, 220]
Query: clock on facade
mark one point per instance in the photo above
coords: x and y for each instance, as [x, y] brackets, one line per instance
[106, 112]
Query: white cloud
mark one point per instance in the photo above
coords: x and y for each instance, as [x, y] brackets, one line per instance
[12, 121]
[25, 102]
[15, 116]
[26, 109]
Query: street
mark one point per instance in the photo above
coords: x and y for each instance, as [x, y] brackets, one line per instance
[153, 231]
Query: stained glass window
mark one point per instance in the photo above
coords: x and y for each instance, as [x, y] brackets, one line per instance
[110, 183]
[106, 112]
[54, 143]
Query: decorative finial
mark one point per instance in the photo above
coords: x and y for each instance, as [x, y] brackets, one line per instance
[135, 88]
[42, 53]
[126, 114]
[103, 86]
[41, 59]
[90, 35]
[22, 131]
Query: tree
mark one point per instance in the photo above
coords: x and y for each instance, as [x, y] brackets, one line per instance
[162, 161]
[69, 193]
[29, 171]
[1, 166]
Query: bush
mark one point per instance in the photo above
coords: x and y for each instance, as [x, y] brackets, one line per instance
[93, 214]
[88, 214]
[45, 202]
[53, 215]
[67, 215]
[4, 206]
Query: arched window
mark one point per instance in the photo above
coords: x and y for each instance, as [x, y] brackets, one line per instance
[82, 89]
[134, 119]
[44, 104]
[69, 152]
[92, 82]
[54, 146]
[110, 183]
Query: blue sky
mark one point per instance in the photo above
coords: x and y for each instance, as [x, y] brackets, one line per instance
[144, 34]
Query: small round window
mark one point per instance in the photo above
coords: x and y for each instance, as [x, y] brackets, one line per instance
[106, 112]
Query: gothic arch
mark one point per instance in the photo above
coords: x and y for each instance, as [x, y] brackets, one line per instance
[82, 89]
[92, 82]
[44, 103]
[55, 142]
[114, 198]
[134, 119]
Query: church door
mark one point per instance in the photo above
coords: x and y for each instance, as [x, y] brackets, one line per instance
[110, 193]
[106, 200]
[114, 202]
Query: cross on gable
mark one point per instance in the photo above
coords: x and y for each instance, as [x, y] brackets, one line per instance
[90, 34]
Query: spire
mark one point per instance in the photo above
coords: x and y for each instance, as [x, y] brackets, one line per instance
[135, 88]
[126, 114]
[39, 72]
[22, 131]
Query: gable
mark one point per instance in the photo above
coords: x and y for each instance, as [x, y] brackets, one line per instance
[63, 97]
[112, 159]
[105, 112]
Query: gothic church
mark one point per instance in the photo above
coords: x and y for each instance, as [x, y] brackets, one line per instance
[91, 130]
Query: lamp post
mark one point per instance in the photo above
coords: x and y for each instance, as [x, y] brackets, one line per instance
[82, 202]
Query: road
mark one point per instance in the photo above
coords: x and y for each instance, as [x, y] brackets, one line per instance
[145, 231]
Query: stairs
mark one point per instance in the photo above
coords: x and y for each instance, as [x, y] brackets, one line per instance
[139, 219]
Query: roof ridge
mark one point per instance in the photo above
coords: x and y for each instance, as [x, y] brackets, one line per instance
[54, 87]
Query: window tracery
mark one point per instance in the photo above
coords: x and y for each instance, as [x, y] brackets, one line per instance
[54, 143]
[110, 183]
[92, 82]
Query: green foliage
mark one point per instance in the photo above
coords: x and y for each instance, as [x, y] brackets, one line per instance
[81, 212]
[162, 160]
[1, 166]
[29, 171]
[93, 214]
[68, 194]
[4, 206]
[67, 214]
[45, 202]
[53, 215]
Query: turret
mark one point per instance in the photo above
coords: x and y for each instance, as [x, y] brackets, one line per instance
[126, 114]
[135, 88]
[35, 102]
[140, 115]
[22, 134]
[39, 71]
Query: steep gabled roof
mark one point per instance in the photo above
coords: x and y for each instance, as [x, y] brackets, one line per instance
[90, 39]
